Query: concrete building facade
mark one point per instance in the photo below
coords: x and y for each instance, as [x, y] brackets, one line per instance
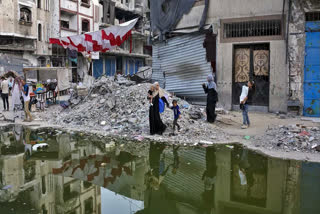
[265, 42]
[25, 29]
[31, 180]
[133, 53]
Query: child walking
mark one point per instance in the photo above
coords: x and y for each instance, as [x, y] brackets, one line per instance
[150, 93]
[177, 115]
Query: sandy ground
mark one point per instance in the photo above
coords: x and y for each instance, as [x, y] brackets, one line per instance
[228, 123]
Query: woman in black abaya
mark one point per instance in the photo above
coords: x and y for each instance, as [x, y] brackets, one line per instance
[212, 99]
[156, 124]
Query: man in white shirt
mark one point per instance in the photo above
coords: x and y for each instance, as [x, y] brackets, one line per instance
[26, 98]
[5, 93]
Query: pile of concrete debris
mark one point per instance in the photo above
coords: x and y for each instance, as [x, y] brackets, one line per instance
[121, 107]
[291, 138]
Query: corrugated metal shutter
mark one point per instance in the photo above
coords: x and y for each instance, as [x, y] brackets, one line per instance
[183, 60]
[157, 74]
[187, 183]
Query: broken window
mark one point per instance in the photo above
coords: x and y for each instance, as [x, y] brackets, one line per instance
[39, 32]
[67, 192]
[6, 40]
[41, 61]
[87, 2]
[85, 26]
[86, 184]
[44, 210]
[25, 14]
[253, 28]
[119, 64]
[65, 24]
[313, 16]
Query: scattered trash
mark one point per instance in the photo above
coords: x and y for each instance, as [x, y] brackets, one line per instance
[139, 138]
[295, 137]
[7, 187]
[39, 146]
[230, 147]
[247, 137]
[103, 123]
[206, 142]
[304, 133]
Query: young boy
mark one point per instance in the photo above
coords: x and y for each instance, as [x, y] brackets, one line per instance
[177, 115]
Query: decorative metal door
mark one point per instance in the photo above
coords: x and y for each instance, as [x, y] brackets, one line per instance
[251, 62]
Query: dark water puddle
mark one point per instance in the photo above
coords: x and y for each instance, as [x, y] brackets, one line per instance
[49, 171]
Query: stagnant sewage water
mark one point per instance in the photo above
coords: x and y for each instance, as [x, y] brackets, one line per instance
[49, 171]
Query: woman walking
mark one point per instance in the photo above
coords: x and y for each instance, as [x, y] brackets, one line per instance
[245, 101]
[16, 94]
[156, 124]
[212, 98]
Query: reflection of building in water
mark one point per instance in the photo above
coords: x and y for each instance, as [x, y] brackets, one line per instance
[169, 180]
[209, 182]
[118, 171]
[250, 183]
[32, 178]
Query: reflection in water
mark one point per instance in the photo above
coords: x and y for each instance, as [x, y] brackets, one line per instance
[49, 171]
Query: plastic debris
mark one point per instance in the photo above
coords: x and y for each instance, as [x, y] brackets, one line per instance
[7, 187]
[247, 137]
[304, 133]
[206, 142]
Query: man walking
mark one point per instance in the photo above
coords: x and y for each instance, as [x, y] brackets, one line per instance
[5, 93]
[26, 99]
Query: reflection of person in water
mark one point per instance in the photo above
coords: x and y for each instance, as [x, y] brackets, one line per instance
[245, 173]
[157, 165]
[157, 198]
[251, 170]
[176, 161]
[209, 178]
[27, 143]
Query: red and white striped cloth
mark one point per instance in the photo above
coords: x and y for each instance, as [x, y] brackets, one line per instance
[98, 41]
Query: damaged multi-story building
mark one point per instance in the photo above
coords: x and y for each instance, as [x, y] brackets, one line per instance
[133, 53]
[70, 18]
[274, 43]
[25, 28]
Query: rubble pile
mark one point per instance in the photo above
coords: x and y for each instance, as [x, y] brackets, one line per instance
[122, 107]
[291, 138]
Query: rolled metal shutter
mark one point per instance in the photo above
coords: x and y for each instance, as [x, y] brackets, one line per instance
[183, 61]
